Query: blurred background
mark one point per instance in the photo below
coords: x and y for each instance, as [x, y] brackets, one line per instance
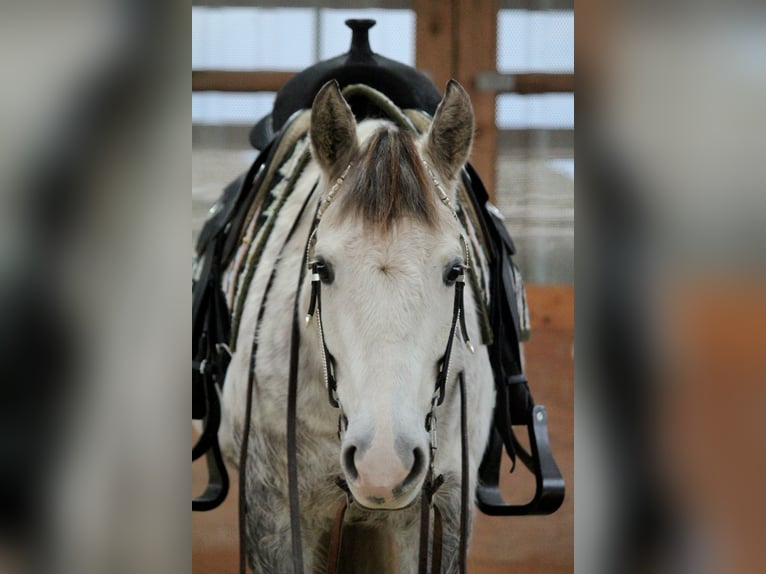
[516, 59]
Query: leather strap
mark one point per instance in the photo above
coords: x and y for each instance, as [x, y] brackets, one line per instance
[292, 449]
[426, 500]
[208, 365]
[425, 517]
[243, 466]
[217, 483]
[437, 539]
[246, 432]
[292, 454]
[436, 542]
[336, 537]
[444, 370]
[248, 406]
[464, 501]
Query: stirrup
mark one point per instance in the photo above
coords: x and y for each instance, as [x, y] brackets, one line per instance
[218, 482]
[549, 492]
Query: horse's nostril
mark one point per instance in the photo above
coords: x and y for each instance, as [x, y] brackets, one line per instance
[349, 466]
[418, 464]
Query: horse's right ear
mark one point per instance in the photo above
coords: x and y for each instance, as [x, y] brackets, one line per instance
[449, 138]
[333, 130]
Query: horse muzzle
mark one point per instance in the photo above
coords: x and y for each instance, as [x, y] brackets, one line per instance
[381, 477]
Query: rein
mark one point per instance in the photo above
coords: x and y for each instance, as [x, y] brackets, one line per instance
[242, 511]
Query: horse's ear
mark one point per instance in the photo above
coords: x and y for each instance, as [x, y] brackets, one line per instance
[449, 139]
[333, 130]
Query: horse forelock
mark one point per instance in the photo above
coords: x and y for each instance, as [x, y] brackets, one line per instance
[387, 181]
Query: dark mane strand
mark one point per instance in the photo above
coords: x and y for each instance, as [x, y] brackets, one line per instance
[387, 181]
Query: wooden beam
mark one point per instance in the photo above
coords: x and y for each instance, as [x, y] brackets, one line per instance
[434, 40]
[430, 59]
[231, 81]
[477, 51]
[551, 307]
[526, 83]
[543, 83]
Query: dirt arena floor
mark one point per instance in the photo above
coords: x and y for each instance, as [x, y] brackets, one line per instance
[518, 545]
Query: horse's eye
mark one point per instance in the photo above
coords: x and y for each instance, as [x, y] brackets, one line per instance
[324, 270]
[452, 273]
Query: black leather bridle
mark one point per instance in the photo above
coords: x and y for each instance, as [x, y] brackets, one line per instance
[432, 483]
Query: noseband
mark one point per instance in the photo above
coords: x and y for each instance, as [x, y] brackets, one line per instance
[431, 484]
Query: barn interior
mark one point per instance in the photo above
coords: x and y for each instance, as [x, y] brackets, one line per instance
[516, 59]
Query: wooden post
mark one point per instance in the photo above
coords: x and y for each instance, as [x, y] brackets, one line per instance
[435, 51]
[235, 81]
[476, 24]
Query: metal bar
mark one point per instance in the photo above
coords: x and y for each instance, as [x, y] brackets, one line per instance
[234, 81]
[530, 83]
[476, 43]
[434, 40]
[267, 81]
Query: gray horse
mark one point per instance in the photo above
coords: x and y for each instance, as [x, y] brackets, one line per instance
[387, 246]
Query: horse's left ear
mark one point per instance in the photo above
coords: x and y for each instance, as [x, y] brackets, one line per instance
[333, 130]
[449, 139]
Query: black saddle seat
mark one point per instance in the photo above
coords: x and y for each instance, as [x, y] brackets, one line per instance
[403, 84]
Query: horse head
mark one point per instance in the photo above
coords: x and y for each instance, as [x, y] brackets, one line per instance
[388, 251]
